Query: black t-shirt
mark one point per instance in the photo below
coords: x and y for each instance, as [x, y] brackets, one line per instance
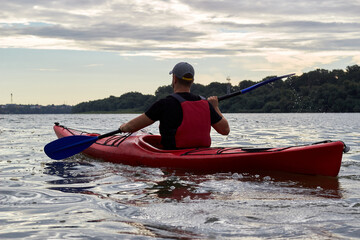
[169, 112]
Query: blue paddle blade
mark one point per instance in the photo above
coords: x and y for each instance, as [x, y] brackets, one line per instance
[245, 90]
[68, 146]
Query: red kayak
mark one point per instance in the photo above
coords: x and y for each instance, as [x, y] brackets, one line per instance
[322, 158]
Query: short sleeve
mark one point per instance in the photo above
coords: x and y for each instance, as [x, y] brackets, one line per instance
[155, 111]
[215, 117]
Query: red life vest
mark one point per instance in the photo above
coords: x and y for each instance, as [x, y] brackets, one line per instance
[194, 130]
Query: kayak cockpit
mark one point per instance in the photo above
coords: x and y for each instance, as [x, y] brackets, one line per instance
[151, 143]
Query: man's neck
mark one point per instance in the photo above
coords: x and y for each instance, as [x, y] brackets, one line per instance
[179, 89]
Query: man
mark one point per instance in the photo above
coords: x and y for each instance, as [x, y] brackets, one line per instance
[185, 118]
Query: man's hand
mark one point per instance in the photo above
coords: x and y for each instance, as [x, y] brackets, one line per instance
[214, 101]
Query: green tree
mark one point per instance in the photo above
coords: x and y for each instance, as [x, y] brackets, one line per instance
[316, 91]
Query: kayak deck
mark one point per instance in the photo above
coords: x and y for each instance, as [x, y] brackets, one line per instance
[322, 158]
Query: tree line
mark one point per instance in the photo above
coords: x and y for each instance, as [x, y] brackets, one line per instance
[34, 109]
[316, 91]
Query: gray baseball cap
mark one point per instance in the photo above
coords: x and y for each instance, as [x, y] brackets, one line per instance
[182, 69]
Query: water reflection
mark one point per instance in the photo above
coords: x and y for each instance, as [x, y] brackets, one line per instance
[66, 170]
[184, 186]
[174, 188]
[137, 185]
[298, 184]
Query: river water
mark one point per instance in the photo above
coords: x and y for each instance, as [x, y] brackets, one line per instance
[83, 198]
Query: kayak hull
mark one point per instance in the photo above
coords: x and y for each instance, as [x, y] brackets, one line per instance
[144, 150]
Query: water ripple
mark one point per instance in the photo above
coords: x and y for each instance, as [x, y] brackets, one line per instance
[86, 198]
[30, 197]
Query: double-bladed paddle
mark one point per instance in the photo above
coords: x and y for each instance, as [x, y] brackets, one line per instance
[68, 146]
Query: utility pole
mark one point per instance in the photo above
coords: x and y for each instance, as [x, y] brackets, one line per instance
[11, 98]
[229, 85]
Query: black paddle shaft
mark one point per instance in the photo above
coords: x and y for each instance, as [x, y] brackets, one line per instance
[109, 134]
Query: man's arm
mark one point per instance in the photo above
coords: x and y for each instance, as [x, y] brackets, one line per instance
[136, 124]
[222, 126]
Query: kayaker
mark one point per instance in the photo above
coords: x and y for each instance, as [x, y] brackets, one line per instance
[185, 119]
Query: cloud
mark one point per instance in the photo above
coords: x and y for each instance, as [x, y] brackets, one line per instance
[111, 31]
[93, 65]
[241, 39]
[177, 28]
[46, 69]
[260, 9]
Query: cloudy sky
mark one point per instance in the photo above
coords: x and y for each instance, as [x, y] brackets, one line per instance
[70, 51]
